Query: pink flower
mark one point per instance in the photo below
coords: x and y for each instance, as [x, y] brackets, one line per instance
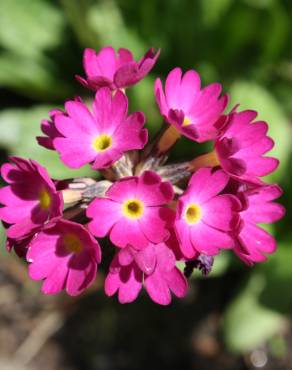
[132, 212]
[30, 199]
[115, 71]
[241, 147]
[100, 137]
[155, 265]
[253, 242]
[66, 256]
[19, 245]
[193, 111]
[204, 218]
[49, 129]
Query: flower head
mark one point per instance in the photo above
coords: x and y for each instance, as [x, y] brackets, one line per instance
[100, 137]
[30, 199]
[204, 217]
[155, 265]
[133, 211]
[66, 256]
[154, 212]
[116, 71]
[241, 147]
[193, 111]
[253, 242]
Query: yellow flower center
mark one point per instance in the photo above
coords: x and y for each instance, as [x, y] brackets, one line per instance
[133, 209]
[72, 243]
[193, 214]
[45, 199]
[102, 142]
[186, 121]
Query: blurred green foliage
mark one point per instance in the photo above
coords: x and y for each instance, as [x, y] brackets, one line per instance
[244, 44]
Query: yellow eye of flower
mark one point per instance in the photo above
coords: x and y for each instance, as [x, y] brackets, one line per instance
[102, 143]
[193, 214]
[133, 209]
[45, 199]
[186, 121]
[72, 243]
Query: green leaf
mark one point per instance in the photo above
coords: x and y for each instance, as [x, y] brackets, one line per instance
[262, 4]
[19, 128]
[32, 77]
[106, 20]
[213, 10]
[253, 96]
[278, 274]
[247, 324]
[29, 26]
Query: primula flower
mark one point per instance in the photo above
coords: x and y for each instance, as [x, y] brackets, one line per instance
[66, 256]
[49, 129]
[253, 242]
[19, 245]
[133, 198]
[204, 218]
[100, 137]
[241, 147]
[155, 265]
[105, 68]
[193, 111]
[30, 199]
[132, 212]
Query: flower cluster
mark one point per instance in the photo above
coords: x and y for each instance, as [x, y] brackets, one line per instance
[154, 213]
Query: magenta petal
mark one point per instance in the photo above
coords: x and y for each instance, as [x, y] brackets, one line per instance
[125, 56]
[82, 117]
[127, 75]
[126, 256]
[265, 212]
[208, 240]
[153, 191]
[128, 283]
[123, 190]
[128, 232]
[190, 84]
[215, 216]
[109, 111]
[16, 213]
[81, 275]
[160, 97]
[156, 222]
[157, 288]
[11, 173]
[105, 213]
[100, 64]
[205, 184]
[183, 235]
[75, 152]
[22, 229]
[255, 238]
[42, 258]
[261, 207]
[165, 258]
[177, 282]
[106, 159]
[172, 88]
[130, 135]
[56, 281]
[146, 259]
